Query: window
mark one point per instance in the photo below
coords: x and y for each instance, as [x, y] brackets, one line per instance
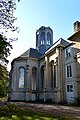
[48, 38]
[34, 73]
[69, 71]
[42, 38]
[48, 42]
[42, 77]
[54, 76]
[42, 42]
[69, 88]
[21, 77]
[68, 52]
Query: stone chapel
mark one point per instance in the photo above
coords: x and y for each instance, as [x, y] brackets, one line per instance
[50, 72]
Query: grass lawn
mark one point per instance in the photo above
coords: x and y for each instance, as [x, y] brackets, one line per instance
[26, 114]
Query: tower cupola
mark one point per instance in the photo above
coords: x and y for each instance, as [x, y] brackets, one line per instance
[44, 39]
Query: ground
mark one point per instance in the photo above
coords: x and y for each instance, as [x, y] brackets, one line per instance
[61, 110]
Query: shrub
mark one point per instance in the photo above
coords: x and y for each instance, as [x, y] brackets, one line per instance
[8, 108]
[12, 107]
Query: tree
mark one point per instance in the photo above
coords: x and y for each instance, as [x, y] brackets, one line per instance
[4, 49]
[7, 8]
[3, 80]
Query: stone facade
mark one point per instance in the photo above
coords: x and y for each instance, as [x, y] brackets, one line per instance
[50, 74]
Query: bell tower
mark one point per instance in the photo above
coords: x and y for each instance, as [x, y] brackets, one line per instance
[44, 39]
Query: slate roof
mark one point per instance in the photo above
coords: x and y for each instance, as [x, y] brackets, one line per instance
[60, 42]
[74, 36]
[64, 42]
[31, 52]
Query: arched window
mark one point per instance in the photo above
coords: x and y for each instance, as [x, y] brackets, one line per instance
[48, 38]
[42, 77]
[42, 38]
[21, 77]
[34, 73]
[52, 76]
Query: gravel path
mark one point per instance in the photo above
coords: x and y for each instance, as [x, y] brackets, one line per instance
[61, 110]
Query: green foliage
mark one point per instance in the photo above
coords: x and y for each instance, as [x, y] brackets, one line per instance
[7, 18]
[11, 107]
[3, 80]
[13, 112]
[4, 49]
[7, 8]
[4, 108]
[7, 109]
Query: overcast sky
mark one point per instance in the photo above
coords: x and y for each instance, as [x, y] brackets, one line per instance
[32, 14]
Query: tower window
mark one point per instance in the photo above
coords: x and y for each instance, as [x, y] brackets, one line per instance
[48, 42]
[42, 42]
[48, 38]
[42, 38]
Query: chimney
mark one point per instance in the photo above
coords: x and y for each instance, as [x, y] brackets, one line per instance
[76, 26]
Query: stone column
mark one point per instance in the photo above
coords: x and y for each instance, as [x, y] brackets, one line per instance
[46, 78]
[60, 77]
[44, 82]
